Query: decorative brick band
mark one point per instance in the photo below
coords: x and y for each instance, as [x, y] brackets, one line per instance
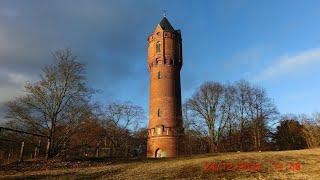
[167, 61]
[161, 130]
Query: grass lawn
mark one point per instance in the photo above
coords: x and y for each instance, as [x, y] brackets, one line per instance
[299, 164]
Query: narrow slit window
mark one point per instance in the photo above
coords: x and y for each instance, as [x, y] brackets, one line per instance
[159, 75]
[158, 45]
[159, 113]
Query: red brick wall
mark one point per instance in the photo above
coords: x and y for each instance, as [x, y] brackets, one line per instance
[168, 146]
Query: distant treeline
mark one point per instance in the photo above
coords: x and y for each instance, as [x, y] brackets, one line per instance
[241, 117]
[217, 118]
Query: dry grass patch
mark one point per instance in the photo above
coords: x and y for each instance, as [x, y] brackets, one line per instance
[195, 168]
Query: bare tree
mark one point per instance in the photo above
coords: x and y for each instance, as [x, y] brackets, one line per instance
[228, 115]
[58, 98]
[237, 116]
[261, 111]
[121, 120]
[195, 138]
[242, 93]
[206, 104]
[311, 129]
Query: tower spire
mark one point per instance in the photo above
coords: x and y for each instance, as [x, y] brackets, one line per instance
[164, 13]
[165, 24]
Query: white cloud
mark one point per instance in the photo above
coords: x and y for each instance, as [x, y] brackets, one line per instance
[247, 57]
[291, 64]
[12, 84]
[18, 79]
[8, 93]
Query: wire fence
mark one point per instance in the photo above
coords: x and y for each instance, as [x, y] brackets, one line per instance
[16, 145]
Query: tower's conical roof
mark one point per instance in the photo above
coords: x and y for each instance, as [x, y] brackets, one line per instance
[165, 24]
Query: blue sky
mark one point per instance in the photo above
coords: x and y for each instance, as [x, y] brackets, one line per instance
[274, 44]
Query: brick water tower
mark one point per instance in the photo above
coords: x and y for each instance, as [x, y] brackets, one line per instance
[165, 129]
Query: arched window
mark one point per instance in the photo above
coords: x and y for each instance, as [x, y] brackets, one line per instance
[158, 45]
[159, 113]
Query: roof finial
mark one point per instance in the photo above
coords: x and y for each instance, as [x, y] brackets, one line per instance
[164, 13]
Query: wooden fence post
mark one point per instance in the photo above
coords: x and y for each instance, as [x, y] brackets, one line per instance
[21, 152]
[9, 156]
[97, 150]
[38, 152]
[47, 150]
[35, 151]
[64, 151]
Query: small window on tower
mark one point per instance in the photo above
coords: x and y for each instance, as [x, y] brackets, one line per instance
[158, 112]
[159, 75]
[158, 45]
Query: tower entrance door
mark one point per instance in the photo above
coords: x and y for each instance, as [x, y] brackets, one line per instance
[158, 153]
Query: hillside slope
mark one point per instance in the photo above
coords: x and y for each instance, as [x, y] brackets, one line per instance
[300, 164]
